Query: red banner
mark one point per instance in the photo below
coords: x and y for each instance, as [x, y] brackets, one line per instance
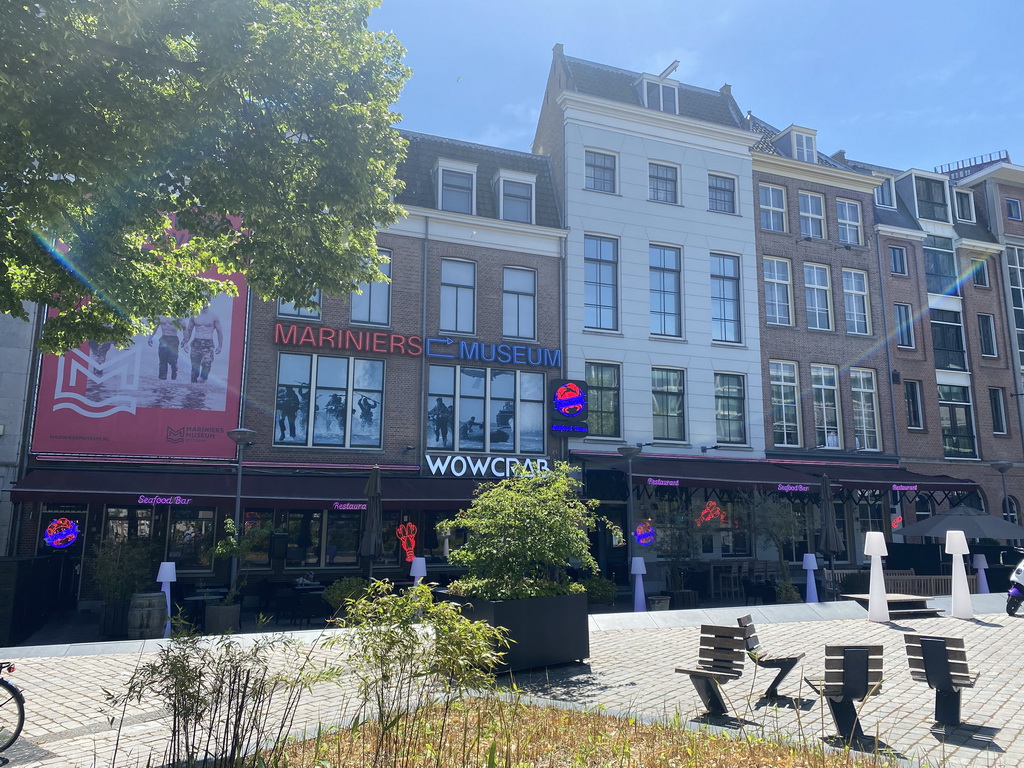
[173, 393]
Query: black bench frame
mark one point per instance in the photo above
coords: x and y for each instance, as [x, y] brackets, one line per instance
[852, 673]
[720, 659]
[757, 654]
[941, 662]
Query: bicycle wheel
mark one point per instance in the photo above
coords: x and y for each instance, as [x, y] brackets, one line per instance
[12, 714]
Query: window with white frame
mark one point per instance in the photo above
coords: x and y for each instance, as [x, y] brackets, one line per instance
[290, 309]
[884, 195]
[897, 260]
[772, 201]
[485, 409]
[812, 215]
[661, 96]
[998, 407]
[519, 303]
[903, 314]
[956, 418]
[785, 403]
[987, 335]
[327, 401]
[912, 398]
[516, 200]
[458, 296]
[372, 305]
[825, 392]
[964, 206]
[855, 300]
[817, 292]
[721, 193]
[321, 538]
[725, 298]
[848, 221]
[948, 340]
[730, 408]
[457, 192]
[603, 402]
[1013, 209]
[778, 291]
[600, 171]
[979, 273]
[865, 409]
[940, 269]
[803, 147]
[1015, 265]
[665, 267]
[600, 282]
[668, 395]
[931, 199]
[663, 182]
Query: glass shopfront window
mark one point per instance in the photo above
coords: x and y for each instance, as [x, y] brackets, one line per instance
[190, 538]
[257, 527]
[322, 539]
[305, 538]
[128, 523]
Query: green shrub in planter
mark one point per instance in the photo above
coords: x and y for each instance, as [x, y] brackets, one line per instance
[341, 591]
[855, 583]
[600, 591]
[785, 592]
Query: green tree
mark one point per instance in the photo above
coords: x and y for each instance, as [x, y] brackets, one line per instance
[115, 113]
[769, 516]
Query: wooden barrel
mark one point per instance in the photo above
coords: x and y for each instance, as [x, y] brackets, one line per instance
[147, 615]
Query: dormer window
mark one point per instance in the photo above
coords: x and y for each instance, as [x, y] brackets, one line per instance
[661, 96]
[515, 192]
[803, 147]
[884, 196]
[964, 206]
[456, 186]
[931, 199]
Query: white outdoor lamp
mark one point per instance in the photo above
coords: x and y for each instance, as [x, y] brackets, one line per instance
[956, 545]
[418, 570]
[811, 565]
[980, 564]
[638, 568]
[167, 573]
[878, 604]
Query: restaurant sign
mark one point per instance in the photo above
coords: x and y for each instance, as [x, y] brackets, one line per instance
[454, 465]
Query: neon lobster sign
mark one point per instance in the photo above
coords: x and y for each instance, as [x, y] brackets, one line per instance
[710, 512]
[406, 534]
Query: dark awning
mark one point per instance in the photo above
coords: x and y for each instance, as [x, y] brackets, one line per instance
[69, 486]
[880, 478]
[708, 473]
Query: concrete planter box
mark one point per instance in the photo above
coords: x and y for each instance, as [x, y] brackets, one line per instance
[546, 630]
[223, 618]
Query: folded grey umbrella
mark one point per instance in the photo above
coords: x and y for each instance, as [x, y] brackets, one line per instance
[973, 522]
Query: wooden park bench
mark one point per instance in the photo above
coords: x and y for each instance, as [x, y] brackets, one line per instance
[722, 650]
[757, 654]
[941, 663]
[852, 673]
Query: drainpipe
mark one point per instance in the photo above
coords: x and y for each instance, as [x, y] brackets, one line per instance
[888, 348]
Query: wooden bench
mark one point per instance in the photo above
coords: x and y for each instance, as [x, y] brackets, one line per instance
[941, 663]
[784, 664]
[852, 673]
[720, 659]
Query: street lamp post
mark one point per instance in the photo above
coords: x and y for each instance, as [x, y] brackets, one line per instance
[1002, 467]
[242, 438]
[629, 452]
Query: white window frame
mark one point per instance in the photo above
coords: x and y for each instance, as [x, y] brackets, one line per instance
[614, 168]
[595, 397]
[770, 208]
[831, 435]
[964, 196]
[372, 294]
[917, 405]
[904, 324]
[812, 217]
[651, 165]
[519, 297]
[943, 184]
[864, 392]
[1013, 206]
[599, 283]
[736, 302]
[681, 372]
[885, 185]
[903, 258]
[529, 179]
[743, 406]
[454, 294]
[289, 310]
[968, 407]
[666, 275]
[996, 398]
[848, 228]
[661, 87]
[735, 209]
[805, 147]
[775, 286]
[784, 376]
[979, 268]
[859, 298]
[455, 166]
[819, 289]
[990, 332]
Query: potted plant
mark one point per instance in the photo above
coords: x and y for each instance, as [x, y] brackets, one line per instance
[122, 568]
[340, 591]
[677, 542]
[225, 615]
[523, 535]
[769, 516]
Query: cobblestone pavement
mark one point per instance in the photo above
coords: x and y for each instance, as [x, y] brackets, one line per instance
[630, 670]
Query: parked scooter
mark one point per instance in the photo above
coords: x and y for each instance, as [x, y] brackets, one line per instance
[1015, 596]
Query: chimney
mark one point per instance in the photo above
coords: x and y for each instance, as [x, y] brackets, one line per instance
[725, 90]
[840, 156]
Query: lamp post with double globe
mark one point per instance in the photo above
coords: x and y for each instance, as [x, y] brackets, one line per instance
[242, 438]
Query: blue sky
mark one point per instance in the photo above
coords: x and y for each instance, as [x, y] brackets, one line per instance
[900, 83]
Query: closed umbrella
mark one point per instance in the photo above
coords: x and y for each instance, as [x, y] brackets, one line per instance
[369, 542]
[973, 522]
[830, 543]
